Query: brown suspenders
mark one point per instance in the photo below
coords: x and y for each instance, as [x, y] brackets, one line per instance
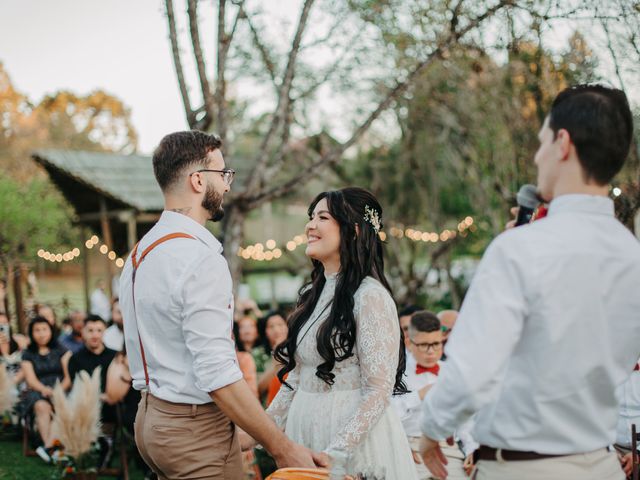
[136, 263]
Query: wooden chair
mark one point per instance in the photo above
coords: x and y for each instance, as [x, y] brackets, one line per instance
[28, 435]
[116, 432]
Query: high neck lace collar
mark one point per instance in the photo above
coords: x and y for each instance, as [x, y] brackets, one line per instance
[331, 278]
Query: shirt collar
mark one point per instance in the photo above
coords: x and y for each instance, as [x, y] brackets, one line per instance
[182, 223]
[582, 203]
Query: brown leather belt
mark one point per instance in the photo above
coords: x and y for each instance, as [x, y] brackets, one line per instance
[501, 455]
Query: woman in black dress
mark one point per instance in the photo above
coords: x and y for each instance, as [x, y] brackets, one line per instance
[44, 363]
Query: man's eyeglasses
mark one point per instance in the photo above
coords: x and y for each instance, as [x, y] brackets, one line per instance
[425, 347]
[227, 174]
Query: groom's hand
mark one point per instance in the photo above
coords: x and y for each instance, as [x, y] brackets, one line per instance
[294, 455]
[433, 457]
[321, 459]
[247, 442]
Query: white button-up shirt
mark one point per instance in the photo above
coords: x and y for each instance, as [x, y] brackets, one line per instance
[408, 408]
[629, 396]
[547, 332]
[184, 313]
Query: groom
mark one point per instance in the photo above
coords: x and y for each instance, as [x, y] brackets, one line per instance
[177, 304]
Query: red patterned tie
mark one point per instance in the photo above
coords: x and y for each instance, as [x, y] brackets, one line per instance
[435, 369]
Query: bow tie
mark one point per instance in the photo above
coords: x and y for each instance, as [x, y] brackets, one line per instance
[636, 368]
[420, 369]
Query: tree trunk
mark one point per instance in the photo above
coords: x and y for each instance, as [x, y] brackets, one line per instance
[454, 288]
[15, 273]
[233, 236]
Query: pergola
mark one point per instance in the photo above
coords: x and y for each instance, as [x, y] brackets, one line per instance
[116, 196]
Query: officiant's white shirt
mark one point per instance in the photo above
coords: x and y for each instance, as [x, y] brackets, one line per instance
[547, 332]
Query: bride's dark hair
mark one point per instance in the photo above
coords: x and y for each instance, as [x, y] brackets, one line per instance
[360, 256]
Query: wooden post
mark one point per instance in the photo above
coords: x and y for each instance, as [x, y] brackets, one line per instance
[16, 275]
[85, 270]
[106, 236]
[132, 230]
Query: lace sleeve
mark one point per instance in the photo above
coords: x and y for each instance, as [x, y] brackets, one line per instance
[378, 340]
[279, 408]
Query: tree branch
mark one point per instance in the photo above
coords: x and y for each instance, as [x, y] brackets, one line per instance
[336, 153]
[284, 100]
[612, 51]
[264, 54]
[175, 50]
[192, 11]
[221, 83]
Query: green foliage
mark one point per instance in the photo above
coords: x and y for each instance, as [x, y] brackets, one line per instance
[32, 215]
[97, 122]
[468, 137]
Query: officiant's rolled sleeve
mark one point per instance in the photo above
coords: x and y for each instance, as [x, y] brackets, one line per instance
[207, 325]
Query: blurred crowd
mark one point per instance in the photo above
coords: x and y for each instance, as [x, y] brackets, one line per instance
[54, 350]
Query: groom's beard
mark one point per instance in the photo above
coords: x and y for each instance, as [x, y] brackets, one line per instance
[212, 203]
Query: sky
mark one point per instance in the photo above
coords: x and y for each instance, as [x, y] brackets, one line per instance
[121, 46]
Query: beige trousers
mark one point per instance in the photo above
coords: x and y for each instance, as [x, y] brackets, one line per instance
[598, 465]
[180, 441]
[454, 457]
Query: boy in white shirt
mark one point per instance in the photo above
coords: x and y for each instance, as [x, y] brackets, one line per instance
[426, 342]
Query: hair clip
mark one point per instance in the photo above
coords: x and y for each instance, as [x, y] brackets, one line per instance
[372, 216]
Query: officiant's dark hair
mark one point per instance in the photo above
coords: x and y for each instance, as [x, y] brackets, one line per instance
[360, 256]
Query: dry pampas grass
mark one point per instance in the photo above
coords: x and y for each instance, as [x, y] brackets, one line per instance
[7, 391]
[76, 421]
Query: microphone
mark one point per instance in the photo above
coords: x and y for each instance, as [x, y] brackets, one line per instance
[528, 201]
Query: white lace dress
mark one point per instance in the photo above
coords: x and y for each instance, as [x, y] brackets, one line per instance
[352, 420]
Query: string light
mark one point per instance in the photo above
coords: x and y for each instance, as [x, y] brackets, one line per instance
[267, 252]
[75, 253]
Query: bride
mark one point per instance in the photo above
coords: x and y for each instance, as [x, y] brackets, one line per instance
[343, 356]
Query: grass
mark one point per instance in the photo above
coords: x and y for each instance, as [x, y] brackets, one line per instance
[14, 466]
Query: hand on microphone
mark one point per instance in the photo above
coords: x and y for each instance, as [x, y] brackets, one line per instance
[528, 201]
[512, 223]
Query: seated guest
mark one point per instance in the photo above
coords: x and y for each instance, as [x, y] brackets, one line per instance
[44, 363]
[272, 331]
[404, 316]
[10, 351]
[73, 340]
[114, 336]
[425, 343]
[447, 321]
[248, 368]
[94, 353]
[629, 414]
[246, 363]
[247, 335]
[46, 311]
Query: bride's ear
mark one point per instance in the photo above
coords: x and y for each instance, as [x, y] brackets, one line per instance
[357, 231]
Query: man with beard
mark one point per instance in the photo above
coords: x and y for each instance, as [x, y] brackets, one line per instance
[177, 303]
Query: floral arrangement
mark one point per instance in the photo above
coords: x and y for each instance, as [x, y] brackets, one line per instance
[7, 391]
[76, 424]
